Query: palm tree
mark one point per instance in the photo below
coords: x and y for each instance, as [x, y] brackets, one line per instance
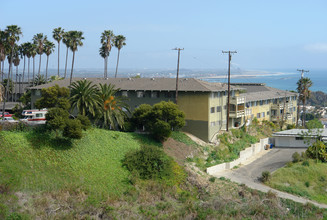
[23, 53]
[107, 38]
[33, 54]
[76, 38]
[13, 35]
[303, 86]
[84, 97]
[3, 43]
[39, 80]
[119, 42]
[28, 47]
[48, 49]
[104, 54]
[39, 41]
[66, 40]
[16, 62]
[113, 110]
[58, 35]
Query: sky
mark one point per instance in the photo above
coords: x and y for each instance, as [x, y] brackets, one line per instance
[275, 34]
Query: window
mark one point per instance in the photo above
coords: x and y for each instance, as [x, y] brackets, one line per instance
[293, 109]
[212, 124]
[298, 138]
[262, 114]
[261, 102]
[38, 115]
[258, 115]
[225, 107]
[267, 113]
[212, 109]
[154, 95]
[218, 108]
[168, 95]
[216, 94]
[124, 93]
[140, 94]
[37, 92]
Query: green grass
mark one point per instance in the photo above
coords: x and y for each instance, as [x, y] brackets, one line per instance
[306, 181]
[33, 162]
[183, 138]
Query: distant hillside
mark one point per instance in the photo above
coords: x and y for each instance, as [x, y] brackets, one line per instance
[318, 99]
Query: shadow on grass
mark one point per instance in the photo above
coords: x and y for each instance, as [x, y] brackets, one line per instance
[40, 137]
[146, 139]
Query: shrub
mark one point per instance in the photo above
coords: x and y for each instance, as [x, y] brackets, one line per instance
[307, 183]
[212, 179]
[317, 151]
[161, 130]
[73, 129]
[265, 176]
[56, 118]
[85, 122]
[149, 162]
[306, 163]
[296, 157]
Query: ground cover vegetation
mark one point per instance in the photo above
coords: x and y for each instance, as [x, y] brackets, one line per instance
[48, 178]
[231, 143]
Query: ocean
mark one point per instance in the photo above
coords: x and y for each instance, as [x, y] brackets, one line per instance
[281, 79]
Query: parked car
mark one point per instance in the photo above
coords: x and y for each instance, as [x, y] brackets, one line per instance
[8, 120]
[7, 114]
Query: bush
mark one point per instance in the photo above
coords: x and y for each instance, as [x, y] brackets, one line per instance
[149, 162]
[85, 122]
[306, 163]
[265, 176]
[296, 157]
[161, 130]
[307, 183]
[73, 129]
[56, 118]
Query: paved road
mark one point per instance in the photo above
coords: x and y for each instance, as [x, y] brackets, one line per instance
[271, 161]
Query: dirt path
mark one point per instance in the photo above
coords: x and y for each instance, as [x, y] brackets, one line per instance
[270, 161]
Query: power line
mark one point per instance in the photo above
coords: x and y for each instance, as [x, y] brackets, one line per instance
[228, 97]
[179, 53]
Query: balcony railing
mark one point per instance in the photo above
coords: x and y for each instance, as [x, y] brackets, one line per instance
[237, 100]
[236, 114]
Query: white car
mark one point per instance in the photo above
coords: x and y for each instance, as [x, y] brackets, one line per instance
[8, 120]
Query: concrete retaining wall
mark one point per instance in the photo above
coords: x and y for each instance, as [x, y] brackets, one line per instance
[244, 155]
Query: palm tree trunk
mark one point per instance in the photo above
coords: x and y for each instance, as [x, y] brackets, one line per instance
[66, 63]
[28, 70]
[24, 68]
[16, 84]
[117, 63]
[7, 89]
[33, 71]
[58, 56]
[46, 70]
[1, 73]
[303, 116]
[104, 69]
[71, 73]
[12, 80]
[39, 65]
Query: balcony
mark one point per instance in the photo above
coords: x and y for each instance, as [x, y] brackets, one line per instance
[237, 100]
[236, 114]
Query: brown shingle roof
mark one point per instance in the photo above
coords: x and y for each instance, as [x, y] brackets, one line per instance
[149, 84]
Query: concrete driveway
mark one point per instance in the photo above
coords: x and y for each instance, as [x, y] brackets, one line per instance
[271, 161]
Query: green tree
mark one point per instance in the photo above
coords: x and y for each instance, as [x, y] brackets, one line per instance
[106, 40]
[3, 45]
[56, 119]
[76, 38]
[39, 40]
[104, 53]
[159, 120]
[13, 33]
[48, 49]
[84, 97]
[57, 34]
[315, 123]
[317, 151]
[303, 87]
[54, 96]
[28, 50]
[113, 109]
[119, 42]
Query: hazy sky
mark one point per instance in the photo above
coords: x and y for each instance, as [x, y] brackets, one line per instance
[266, 34]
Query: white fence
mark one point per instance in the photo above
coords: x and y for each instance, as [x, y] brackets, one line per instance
[244, 155]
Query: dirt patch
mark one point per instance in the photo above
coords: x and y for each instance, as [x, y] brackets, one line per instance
[177, 150]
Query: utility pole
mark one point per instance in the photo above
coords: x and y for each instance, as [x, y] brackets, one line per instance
[228, 95]
[298, 106]
[179, 53]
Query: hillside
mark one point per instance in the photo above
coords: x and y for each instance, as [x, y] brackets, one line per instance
[49, 178]
[317, 99]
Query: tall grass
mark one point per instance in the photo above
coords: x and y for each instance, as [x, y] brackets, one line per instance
[306, 181]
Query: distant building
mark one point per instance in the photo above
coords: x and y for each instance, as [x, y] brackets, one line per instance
[204, 103]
